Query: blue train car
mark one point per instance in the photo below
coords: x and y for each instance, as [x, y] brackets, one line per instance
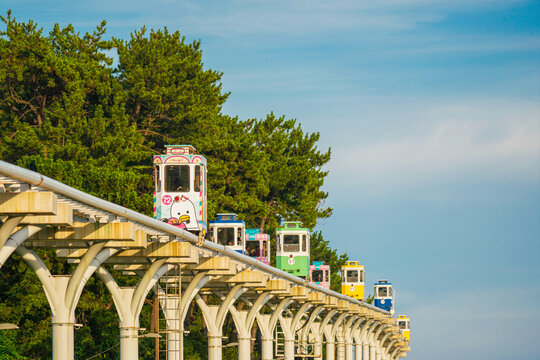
[383, 295]
[229, 231]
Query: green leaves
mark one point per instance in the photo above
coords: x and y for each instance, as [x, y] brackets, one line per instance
[66, 113]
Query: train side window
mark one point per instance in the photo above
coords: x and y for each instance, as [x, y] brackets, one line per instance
[239, 236]
[383, 291]
[291, 243]
[304, 242]
[390, 291]
[343, 276]
[352, 276]
[326, 276]
[157, 178]
[197, 179]
[177, 178]
[361, 275]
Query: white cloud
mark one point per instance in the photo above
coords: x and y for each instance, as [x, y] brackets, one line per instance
[465, 140]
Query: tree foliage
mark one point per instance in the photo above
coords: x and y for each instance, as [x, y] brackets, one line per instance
[68, 113]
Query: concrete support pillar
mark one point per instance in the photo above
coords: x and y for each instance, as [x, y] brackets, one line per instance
[317, 347]
[214, 316]
[170, 308]
[365, 352]
[330, 349]
[243, 320]
[372, 354]
[289, 334]
[63, 292]
[349, 351]
[129, 302]
[215, 346]
[340, 344]
[267, 348]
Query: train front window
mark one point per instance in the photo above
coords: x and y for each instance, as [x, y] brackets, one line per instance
[291, 243]
[352, 276]
[225, 236]
[253, 248]
[317, 275]
[177, 178]
[197, 179]
[157, 178]
[402, 325]
[383, 291]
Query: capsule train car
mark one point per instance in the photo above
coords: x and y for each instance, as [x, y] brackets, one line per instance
[229, 231]
[292, 249]
[404, 325]
[319, 274]
[383, 295]
[258, 245]
[180, 188]
[352, 280]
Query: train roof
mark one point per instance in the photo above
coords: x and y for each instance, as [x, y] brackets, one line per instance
[352, 264]
[291, 226]
[383, 282]
[256, 235]
[227, 218]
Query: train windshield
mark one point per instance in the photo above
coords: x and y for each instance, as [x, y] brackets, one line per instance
[383, 291]
[225, 236]
[402, 325]
[352, 276]
[177, 178]
[291, 243]
[317, 276]
[253, 248]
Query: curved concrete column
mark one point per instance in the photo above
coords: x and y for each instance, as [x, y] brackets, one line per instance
[289, 326]
[346, 334]
[267, 324]
[129, 302]
[304, 337]
[175, 310]
[214, 316]
[63, 293]
[10, 242]
[243, 320]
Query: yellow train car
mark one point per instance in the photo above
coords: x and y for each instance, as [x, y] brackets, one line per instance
[404, 325]
[352, 280]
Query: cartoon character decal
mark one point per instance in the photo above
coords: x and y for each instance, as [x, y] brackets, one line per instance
[183, 213]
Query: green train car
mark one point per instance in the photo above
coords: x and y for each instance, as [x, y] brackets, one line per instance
[292, 253]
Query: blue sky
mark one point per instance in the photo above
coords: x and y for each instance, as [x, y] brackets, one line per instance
[432, 112]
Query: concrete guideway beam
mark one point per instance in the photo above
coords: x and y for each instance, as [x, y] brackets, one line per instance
[129, 302]
[63, 293]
